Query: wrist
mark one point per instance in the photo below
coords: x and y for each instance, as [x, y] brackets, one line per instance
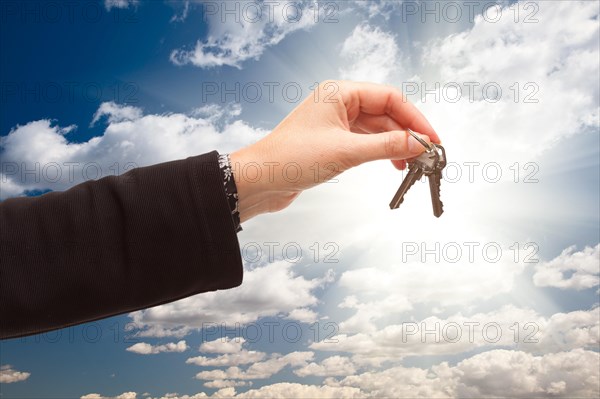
[257, 193]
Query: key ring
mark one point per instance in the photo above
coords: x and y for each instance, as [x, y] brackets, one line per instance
[420, 140]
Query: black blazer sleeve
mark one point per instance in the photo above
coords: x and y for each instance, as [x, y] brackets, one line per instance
[122, 243]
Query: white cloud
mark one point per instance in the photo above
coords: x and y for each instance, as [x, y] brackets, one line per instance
[256, 26]
[564, 331]
[124, 395]
[223, 345]
[130, 139]
[117, 113]
[397, 286]
[517, 374]
[583, 267]
[218, 114]
[267, 291]
[561, 62]
[332, 366]
[402, 382]
[232, 353]
[303, 315]
[9, 375]
[195, 396]
[371, 55]
[235, 359]
[110, 4]
[146, 349]
[259, 370]
[280, 390]
[496, 373]
[219, 384]
[291, 390]
[507, 327]
[368, 312]
[235, 355]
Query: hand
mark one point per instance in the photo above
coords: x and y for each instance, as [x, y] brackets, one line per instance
[341, 125]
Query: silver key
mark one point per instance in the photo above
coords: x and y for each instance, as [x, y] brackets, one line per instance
[430, 163]
[435, 180]
[414, 173]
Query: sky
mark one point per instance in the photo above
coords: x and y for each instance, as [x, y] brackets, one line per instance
[342, 297]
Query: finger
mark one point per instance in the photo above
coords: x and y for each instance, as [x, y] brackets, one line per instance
[394, 145]
[375, 123]
[357, 129]
[376, 99]
[400, 164]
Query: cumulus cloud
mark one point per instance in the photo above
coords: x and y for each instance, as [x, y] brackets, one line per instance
[146, 349]
[117, 113]
[517, 374]
[331, 366]
[564, 331]
[497, 373]
[557, 63]
[293, 390]
[269, 290]
[236, 359]
[509, 326]
[223, 345]
[234, 355]
[401, 382]
[398, 286]
[256, 26]
[220, 384]
[124, 395]
[279, 390]
[259, 370]
[371, 55]
[303, 315]
[570, 270]
[492, 374]
[9, 375]
[231, 352]
[43, 147]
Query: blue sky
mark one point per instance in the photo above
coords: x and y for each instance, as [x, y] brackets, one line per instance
[147, 80]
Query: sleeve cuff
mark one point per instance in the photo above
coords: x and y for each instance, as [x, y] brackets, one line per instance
[230, 189]
[216, 220]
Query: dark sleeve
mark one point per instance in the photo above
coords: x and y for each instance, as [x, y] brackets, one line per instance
[150, 236]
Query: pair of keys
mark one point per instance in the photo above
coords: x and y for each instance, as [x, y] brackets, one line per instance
[430, 163]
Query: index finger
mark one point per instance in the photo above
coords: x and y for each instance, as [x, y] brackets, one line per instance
[377, 99]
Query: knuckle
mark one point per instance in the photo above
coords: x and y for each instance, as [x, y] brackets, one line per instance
[393, 145]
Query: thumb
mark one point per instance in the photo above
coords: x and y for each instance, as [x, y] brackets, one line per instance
[395, 144]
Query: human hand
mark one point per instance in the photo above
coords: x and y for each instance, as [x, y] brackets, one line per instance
[342, 124]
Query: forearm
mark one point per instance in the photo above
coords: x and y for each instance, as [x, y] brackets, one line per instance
[150, 236]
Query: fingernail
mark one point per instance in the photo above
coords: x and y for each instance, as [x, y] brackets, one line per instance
[414, 146]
